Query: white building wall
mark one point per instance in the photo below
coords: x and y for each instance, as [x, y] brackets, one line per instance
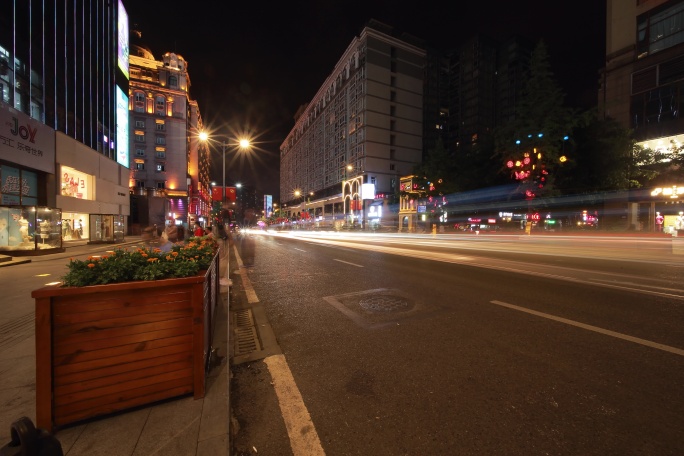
[110, 180]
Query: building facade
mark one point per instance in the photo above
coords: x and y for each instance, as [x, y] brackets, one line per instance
[364, 124]
[642, 87]
[63, 74]
[169, 177]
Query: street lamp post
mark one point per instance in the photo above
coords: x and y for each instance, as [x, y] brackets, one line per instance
[243, 143]
[223, 194]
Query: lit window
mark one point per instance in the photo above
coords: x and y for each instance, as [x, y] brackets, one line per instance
[160, 167]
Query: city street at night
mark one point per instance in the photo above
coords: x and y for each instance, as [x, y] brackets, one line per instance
[479, 345]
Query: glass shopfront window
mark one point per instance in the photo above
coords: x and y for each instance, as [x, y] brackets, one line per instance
[106, 228]
[18, 186]
[29, 228]
[75, 226]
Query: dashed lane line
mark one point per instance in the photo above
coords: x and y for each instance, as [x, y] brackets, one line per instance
[607, 332]
[347, 262]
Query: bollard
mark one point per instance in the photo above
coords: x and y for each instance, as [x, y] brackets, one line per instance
[26, 440]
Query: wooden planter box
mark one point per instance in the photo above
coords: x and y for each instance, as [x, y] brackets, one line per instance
[106, 348]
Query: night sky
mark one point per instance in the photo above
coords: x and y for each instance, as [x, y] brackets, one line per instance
[252, 64]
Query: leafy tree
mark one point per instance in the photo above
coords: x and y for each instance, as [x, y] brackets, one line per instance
[601, 160]
[541, 123]
[438, 172]
[666, 167]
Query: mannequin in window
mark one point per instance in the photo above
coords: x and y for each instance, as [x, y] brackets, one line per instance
[659, 222]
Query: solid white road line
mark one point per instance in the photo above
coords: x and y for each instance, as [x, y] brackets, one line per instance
[300, 250]
[246, 283]
[303, 437]
[347, 262]
[607, 332]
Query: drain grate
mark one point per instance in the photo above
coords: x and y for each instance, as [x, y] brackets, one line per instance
[379, 307]
[246, 341]
[246, 338]
[384, 303]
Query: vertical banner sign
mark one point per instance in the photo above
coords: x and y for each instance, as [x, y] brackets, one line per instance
[216, 194]
[230, 194]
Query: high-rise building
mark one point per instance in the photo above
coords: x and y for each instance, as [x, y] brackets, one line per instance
[387, 103]
[169, 175]
[642, 87]
[363, 126]
[63, 74]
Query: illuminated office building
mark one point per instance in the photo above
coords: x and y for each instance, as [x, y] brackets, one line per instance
[642, 87]
[63, 73]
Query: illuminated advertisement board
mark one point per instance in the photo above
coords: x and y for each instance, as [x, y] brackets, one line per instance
[122, 54]
[122, 128]
[26, 141]
[268, 205]
[76, 184]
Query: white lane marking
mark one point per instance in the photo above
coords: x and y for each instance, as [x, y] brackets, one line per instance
[471, 261]
[246, 283]
[300, 249]
[607, 332]
[304, 439]
[347, 262]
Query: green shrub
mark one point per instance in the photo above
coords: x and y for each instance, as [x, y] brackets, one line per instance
[121, 265]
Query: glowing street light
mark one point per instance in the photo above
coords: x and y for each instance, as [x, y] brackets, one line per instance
[243, 143]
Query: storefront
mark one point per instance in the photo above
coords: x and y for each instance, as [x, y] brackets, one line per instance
[92, 193]
[667, 209]
[27, 166]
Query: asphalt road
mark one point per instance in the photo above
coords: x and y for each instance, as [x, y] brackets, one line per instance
[431, 346]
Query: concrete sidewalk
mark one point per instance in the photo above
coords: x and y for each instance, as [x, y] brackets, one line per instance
[174, 427]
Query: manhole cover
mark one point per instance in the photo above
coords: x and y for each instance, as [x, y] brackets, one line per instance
[383, 303]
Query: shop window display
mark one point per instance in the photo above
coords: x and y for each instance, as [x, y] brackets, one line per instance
[29, 228]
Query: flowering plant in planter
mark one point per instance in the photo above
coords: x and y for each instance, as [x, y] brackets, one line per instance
[121, 265]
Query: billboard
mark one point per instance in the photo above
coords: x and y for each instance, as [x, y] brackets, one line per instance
[123, 49]
[122, 128]
[268, 205]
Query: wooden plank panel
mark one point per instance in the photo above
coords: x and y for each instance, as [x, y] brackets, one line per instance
[76, 377]
[106, 403]
[105, 301]
[94, 394]
[117, 299]
[72, 417]
[85, 338]
[98, 344]
[82, 356]
[150, 371]
[117, 312]
[123, 359]
[90, 326]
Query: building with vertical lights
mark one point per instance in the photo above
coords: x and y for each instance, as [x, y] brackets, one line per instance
[642, 87]
[63, 140]
[169, 177]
